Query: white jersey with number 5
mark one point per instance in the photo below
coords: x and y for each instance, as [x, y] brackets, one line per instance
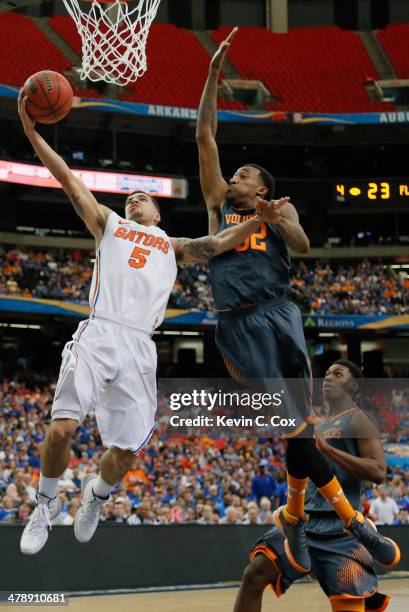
[134, 273]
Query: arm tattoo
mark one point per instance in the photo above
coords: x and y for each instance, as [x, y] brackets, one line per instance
[208, 105]
[200, 249]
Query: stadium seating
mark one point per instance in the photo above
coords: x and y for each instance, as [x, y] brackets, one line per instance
[33, 52]
[64, 26]
[395, 41]
[25, 49]
[308, 70]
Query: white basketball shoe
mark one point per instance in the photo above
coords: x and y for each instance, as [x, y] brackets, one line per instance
[86, 519]
[35, 534]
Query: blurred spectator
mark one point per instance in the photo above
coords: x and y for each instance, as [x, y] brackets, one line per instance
[7, 511]
[118, 513]
[366, 508]
[23, 514]
[230, 517]
[252, 517]
[265, 508]
[72, 509]
[207, 518]
[269, 519]
[384, 509]
[402, 500]
[106, 511]
[263, 485]
[282, 488]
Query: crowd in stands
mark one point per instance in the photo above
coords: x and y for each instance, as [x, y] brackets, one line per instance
[52, 274]
[175, 480]
[364, 288]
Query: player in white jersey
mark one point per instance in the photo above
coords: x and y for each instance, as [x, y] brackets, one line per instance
[110, 364]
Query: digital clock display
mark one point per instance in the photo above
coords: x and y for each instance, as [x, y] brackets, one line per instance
[372, 191]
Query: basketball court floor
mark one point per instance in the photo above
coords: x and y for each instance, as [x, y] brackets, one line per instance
[300, 598]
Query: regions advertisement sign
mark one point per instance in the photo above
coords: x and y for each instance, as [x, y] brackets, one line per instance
[345, 322]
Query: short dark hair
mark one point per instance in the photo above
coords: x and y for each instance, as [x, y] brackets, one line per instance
[355, 370]
[154, 201]
[268, 180]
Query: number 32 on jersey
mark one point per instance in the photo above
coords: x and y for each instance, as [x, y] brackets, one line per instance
[255, 242]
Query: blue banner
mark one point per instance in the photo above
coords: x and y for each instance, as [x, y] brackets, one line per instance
[37, 306]
[346, 322]
[190, 317]
[190, 114]
[325, 322]
[397, 455]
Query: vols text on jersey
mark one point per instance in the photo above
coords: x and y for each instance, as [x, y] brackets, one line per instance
[235, 219]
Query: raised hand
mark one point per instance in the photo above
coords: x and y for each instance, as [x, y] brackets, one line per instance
[270, 211]
[26, 120]
[218, 57]
[263, 211]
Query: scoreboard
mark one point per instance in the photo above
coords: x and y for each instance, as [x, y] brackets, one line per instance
[374, 191]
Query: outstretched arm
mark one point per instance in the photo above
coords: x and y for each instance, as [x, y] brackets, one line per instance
[211, 179]
[91, 212]
[284, 215]
[197, 250]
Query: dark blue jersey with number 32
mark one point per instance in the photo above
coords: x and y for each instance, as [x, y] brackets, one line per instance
[252, 272]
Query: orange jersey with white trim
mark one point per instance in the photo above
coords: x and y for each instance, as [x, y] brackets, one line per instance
[134, 273]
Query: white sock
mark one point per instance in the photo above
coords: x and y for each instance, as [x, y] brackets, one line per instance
[48, 486]
[102, 488]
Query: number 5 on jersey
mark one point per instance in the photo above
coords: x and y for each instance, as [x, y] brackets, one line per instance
[138, 257]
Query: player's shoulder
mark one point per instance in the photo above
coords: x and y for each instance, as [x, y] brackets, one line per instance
[362, 424]
[112, 216]
[160, 232]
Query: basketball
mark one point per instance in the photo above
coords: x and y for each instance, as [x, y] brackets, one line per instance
[49, 96]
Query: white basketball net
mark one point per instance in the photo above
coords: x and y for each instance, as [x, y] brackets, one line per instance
[113, 38]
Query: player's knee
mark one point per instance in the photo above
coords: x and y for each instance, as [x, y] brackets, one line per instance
[256, 576]
[123, 459]
[61, 431]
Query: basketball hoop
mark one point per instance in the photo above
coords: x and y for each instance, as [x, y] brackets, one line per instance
[114, 37]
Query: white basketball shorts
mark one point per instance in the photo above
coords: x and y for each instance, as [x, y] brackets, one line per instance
[109, 368]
